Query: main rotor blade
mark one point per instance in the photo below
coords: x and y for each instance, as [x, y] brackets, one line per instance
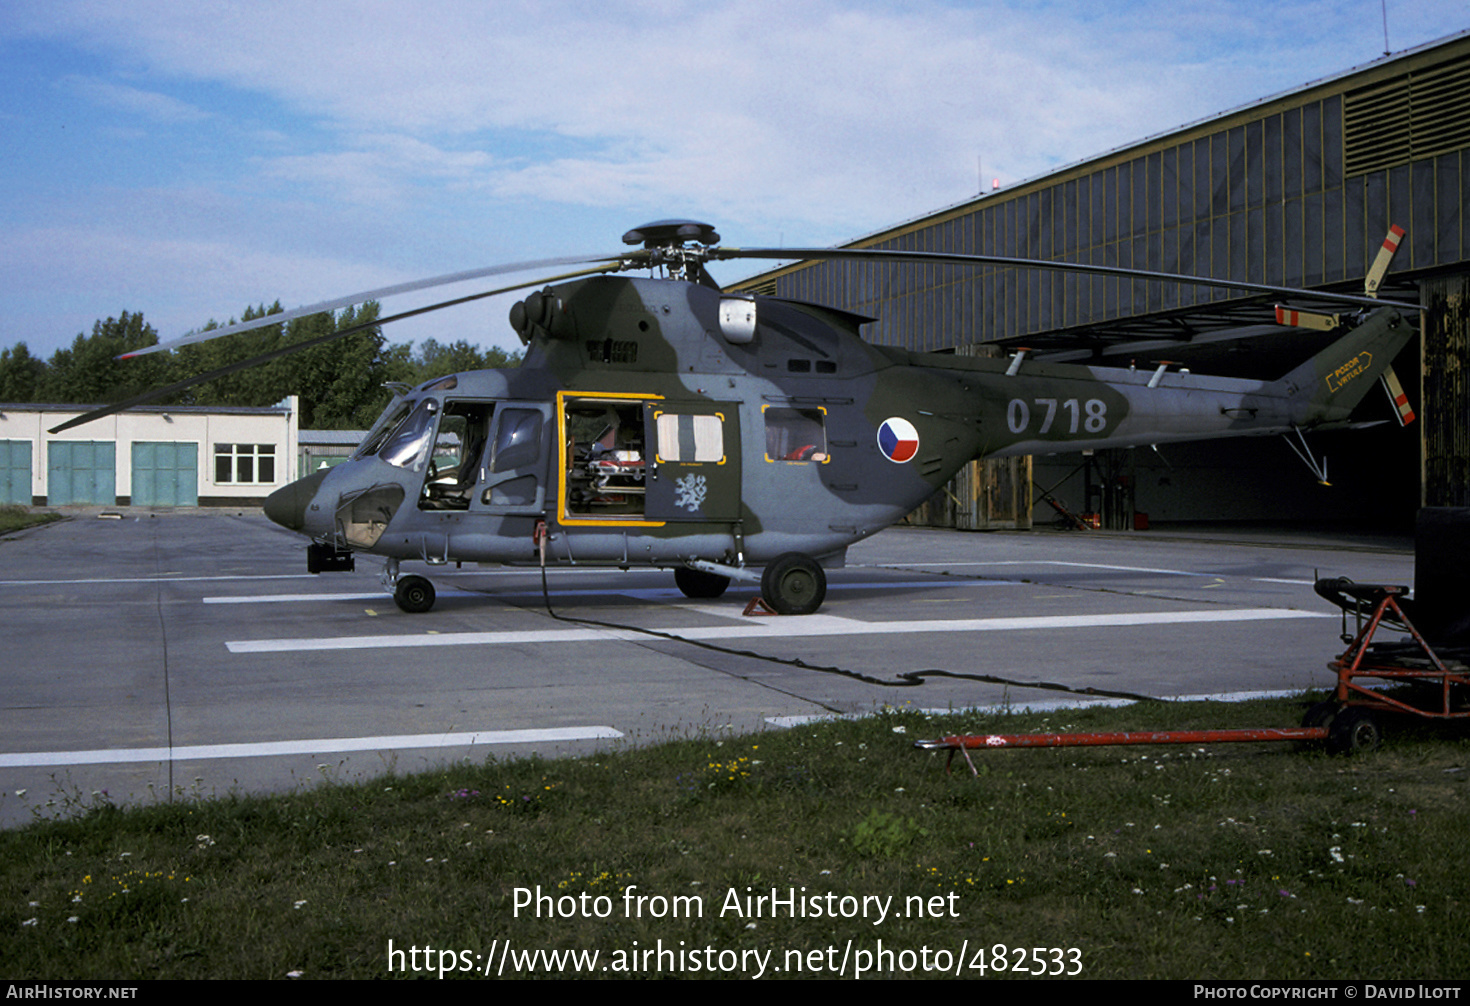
[386, 291]
[296, 347]
[954, 258]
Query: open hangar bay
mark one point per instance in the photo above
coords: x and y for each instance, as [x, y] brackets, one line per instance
[1297, 189]
[188, 651]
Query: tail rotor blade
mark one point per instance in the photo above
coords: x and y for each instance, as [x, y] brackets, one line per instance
[1381, 262]
[1395, 389]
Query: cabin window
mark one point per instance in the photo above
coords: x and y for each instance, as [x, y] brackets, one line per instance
[690, 437]
[518, 441]
[795, 434]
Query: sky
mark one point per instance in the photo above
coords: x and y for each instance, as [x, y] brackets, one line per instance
[188, 159]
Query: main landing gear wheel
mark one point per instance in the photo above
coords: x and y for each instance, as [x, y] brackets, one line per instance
[794, 584]
[696, 583]
[413, 594]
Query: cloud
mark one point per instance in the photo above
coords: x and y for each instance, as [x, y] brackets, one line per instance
[379, 167]
[133, 100]
[821, 110]
[387, 137]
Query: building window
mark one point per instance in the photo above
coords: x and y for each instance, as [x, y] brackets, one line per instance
[241, 464]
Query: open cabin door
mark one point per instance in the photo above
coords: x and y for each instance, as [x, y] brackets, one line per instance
[694, 460]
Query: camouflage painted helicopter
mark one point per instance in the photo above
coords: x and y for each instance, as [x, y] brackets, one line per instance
[662, 422]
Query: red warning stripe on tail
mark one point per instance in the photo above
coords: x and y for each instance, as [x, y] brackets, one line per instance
[1395, 235]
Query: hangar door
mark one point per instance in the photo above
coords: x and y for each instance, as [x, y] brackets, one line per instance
[165, 474]
[15, 472]
[81, 471]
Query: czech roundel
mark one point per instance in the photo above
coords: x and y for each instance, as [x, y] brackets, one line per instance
[898, 440]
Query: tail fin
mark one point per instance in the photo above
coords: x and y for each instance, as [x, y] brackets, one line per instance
[1327, 387]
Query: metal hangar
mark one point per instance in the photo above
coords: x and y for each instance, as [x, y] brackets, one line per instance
[1296, 190]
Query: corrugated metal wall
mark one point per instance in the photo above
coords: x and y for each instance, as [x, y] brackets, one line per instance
[1265, 200]
[1445, 392]
[1297, 191]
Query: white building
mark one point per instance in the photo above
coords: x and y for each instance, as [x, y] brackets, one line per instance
[148, 456]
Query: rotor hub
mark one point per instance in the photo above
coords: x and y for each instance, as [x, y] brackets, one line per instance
[681, 246]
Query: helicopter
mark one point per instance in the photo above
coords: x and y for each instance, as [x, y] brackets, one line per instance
[662, 422]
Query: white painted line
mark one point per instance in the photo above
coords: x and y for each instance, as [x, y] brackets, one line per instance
[799, 626]
[638, 593]
[944, 564]
[156, 579]
[325, 745]
[376, 595]
[1273, 579]
[298, 598]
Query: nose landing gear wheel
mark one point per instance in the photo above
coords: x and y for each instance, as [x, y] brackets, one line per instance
[794, 584]
[413, 594]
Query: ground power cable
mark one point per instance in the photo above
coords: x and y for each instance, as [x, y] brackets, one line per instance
[906, 679]
[168, 706]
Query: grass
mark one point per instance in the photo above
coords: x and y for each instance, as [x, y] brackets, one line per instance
[14, 517]
[1235, 861]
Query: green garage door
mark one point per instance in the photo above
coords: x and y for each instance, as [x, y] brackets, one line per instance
[165, 474]
[81, 472]
[15, 472]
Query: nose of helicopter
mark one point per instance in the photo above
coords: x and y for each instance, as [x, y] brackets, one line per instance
[287, 505]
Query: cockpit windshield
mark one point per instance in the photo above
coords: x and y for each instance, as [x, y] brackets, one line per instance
[386, 424]
[410, 444]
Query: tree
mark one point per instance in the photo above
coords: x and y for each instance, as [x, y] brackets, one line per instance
[253, 386]
[21, 374]
[89, 371]
[340, 382]
[435, 360]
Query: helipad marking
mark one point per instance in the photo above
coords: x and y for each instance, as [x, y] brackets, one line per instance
[325, 745]
[372, 595]
[639, 593]
[156, 579]
[805, 626]
[944, 563]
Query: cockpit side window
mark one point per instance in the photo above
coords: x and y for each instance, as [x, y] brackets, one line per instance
[459, 448]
